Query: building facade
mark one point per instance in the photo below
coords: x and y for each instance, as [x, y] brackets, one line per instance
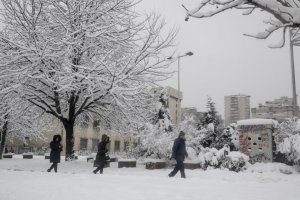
[278, 109]
[86, 138]
[237, 107]
[86, 141]
[192, 112]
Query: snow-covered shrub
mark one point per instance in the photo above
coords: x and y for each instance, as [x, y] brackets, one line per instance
[223, 158]
[287, 141]
[291, 148]
[192, 153]
[193, 136]
[235, 161]
[212, 156]
[154, 143]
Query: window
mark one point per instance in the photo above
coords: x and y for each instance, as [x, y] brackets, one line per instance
[126, 146]
[96, 124]
[95, 145]
[117, 146]
[83, 143]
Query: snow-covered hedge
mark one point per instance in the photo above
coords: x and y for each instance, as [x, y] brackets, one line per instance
[223, 158]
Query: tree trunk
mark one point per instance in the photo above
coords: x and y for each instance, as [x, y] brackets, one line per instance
[3, 138]
[69, 128]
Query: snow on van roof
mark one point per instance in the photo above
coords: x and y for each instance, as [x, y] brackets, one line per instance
[249, 122]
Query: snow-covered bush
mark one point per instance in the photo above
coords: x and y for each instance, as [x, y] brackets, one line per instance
[223, 158]
[193, 136]
[287, 141]
[153, 143]
[291, 148]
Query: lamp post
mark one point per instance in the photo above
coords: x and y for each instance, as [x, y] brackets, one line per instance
[178, 98]
[295, 106]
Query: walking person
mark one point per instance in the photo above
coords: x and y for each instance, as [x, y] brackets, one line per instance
[179, 153]
[56, 148]
[101, 157]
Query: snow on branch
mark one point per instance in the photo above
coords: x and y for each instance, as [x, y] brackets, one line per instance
[287, 13]
[71, 58]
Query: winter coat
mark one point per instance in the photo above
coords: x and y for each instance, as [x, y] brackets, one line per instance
[179, 149]
[56, 148]
[101, 157]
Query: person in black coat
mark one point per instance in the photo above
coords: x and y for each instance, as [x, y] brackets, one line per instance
[56, 148]
[101, 157]
[179, 153]
[5, 150]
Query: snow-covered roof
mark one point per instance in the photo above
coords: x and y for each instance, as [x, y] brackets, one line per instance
[249, 122]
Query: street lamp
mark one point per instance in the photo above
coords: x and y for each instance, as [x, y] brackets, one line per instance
[295, 106]
[178, 98]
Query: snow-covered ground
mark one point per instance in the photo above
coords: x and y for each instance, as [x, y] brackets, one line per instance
[28, 180]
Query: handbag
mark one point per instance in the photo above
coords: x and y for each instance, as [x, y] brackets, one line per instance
[107, 157]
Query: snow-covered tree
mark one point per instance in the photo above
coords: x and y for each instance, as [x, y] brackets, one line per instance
[19, 119]
[286, 14]
[193, 135]
[211, 119]
[155, 136]
[154, 143]
[157, 143]
[73, 57]
[288, 140]
[211, 123]
[162, 118]
[232, 133]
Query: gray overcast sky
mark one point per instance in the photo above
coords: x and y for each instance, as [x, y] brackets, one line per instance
[226, 62]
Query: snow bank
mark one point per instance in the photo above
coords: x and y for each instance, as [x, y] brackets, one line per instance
[271, 168]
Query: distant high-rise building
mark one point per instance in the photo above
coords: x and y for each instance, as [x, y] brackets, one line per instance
[237, 107]
[278, 109]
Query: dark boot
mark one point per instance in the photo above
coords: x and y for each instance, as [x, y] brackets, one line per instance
[96, 170]
[51, 167]
[55, 167]
[172, 174]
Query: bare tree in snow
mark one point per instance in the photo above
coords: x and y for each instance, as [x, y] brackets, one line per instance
[72, 58]
[286, 13]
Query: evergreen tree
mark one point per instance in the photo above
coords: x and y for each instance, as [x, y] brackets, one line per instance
[212, 113]
[163, 119]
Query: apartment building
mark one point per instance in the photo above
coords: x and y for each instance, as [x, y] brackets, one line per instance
[278, 109]
[237, 107]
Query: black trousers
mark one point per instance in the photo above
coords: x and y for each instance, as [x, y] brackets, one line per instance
[178, 167]
[100, 168]
[53, 166]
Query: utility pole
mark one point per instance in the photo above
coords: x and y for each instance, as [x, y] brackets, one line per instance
[295, 106]
[178, 98]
